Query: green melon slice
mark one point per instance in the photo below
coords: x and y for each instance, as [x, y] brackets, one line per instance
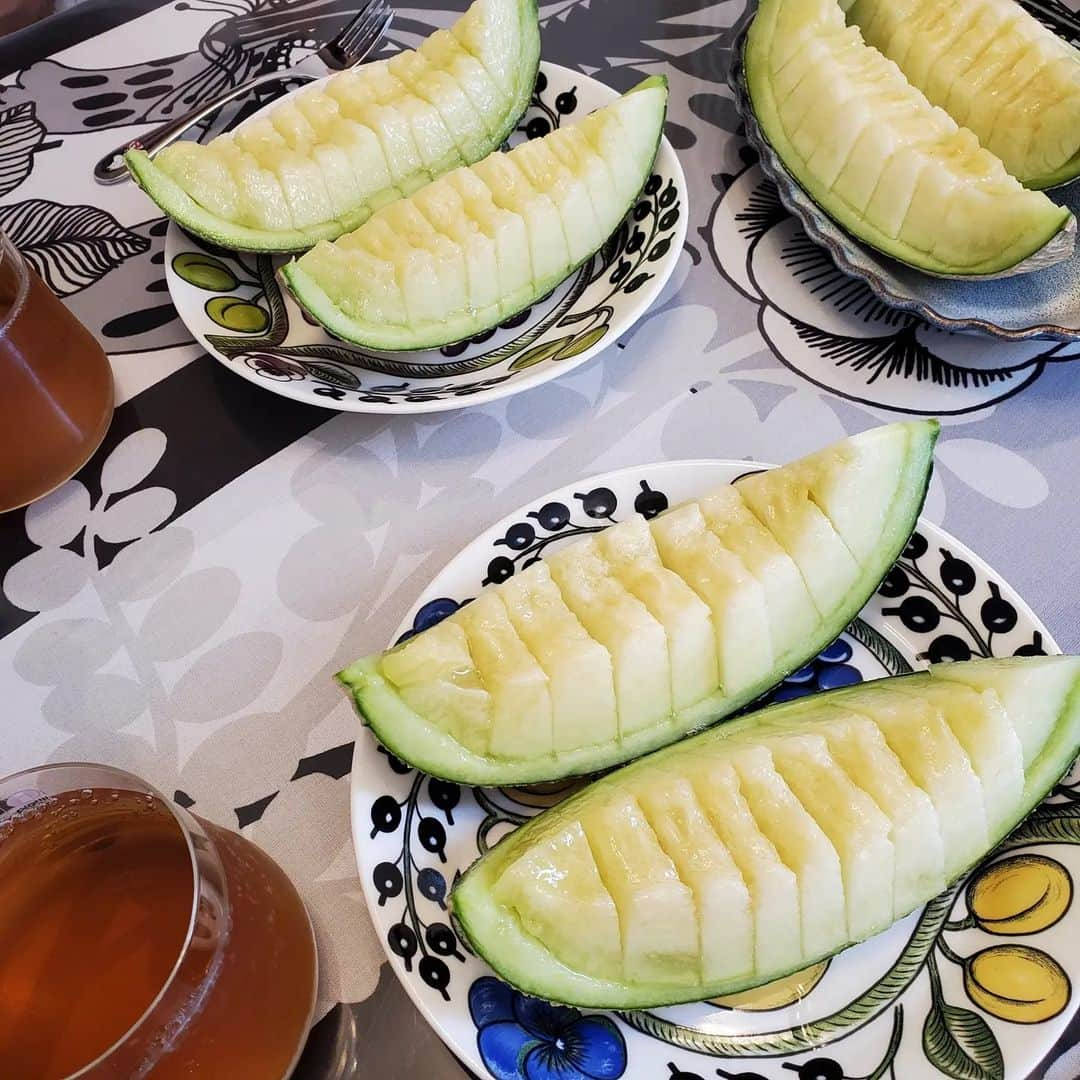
[678, 623]
[1040, 693]
[655, 826]
[859, 748]
[994, 68]
[982, 728]
[857, 828]
[564, 194]
[657, 916]
[792, 614]
[801, 844]
[886, 164]
[635, 564]
[782, 504]
[721, 898]
[773, 887]
[578, 668]
[521, 706]
[918, 735]
[621, 623]
[555, 886]
[436, 675]
[327, 157]
[734, 596]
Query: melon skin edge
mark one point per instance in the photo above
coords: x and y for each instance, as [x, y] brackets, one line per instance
[196, 219]
[759, 87]
[415, 740]
[519, 958]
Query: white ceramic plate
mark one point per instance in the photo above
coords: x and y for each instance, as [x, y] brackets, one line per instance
[892, 1008]
[236, 309]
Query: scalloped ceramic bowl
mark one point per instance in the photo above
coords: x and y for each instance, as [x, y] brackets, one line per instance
[1042, 303]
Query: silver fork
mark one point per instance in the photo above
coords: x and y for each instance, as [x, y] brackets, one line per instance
[348, 48]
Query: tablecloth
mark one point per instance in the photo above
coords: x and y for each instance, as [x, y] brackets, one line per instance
[179, 607]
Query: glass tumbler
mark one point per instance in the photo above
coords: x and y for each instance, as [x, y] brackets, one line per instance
[141, 941]
[56, 386]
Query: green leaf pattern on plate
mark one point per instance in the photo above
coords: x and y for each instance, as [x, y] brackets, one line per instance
[959, 1042]
[205, 271]
[236, 314]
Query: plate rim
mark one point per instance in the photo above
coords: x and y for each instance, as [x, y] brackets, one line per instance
[541, 373]
[356, 823]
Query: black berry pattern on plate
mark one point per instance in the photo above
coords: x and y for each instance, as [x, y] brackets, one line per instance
[947, 605]
[428, 943]
[525, 541]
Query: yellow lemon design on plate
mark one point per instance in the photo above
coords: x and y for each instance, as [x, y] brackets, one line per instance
[778, 994]
[1022, 894]
[1017, 983]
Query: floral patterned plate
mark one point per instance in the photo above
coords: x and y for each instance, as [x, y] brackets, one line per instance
[235, 307]
[977, 985]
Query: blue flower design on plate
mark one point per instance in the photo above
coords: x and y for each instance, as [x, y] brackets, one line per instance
[829, 670]
[523, 1038]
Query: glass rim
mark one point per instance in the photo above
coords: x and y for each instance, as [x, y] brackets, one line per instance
[10, 253]
[196, 887]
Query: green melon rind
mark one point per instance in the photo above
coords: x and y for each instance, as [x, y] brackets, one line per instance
[758, 83]
[1064, 174]
[415, 740]
[185, 211]
[498, 938]
[396, 338]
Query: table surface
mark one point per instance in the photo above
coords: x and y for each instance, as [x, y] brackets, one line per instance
[179, 607]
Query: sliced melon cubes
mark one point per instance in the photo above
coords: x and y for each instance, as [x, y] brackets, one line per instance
[477, 245]
[994, 68]
[768, 843]
[623, 642]
[887, 164]
[324, 159]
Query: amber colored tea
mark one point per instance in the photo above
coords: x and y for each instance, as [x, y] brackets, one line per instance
[96, 898]
[56, 387]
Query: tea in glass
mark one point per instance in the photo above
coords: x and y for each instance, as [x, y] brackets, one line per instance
[56, 386]
[139, 941]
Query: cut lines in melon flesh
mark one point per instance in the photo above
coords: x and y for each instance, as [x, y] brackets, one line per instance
[622, 642]
[798, 826]
[877, 156]
[325, 158]
[478, 245]
[994, 68]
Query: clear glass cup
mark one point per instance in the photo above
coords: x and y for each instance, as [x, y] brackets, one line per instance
[141, 941]
[56, 386]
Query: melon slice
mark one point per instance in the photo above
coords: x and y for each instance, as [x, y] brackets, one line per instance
[879, 158]
[618, 620]
[520, 696]
[801, 845]
[687, 625]
[552, 197]
[994, 67]
[734, 596]
[721, 898]
[688, 629]
[658, 829]
[359, 140]
[578, 668]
